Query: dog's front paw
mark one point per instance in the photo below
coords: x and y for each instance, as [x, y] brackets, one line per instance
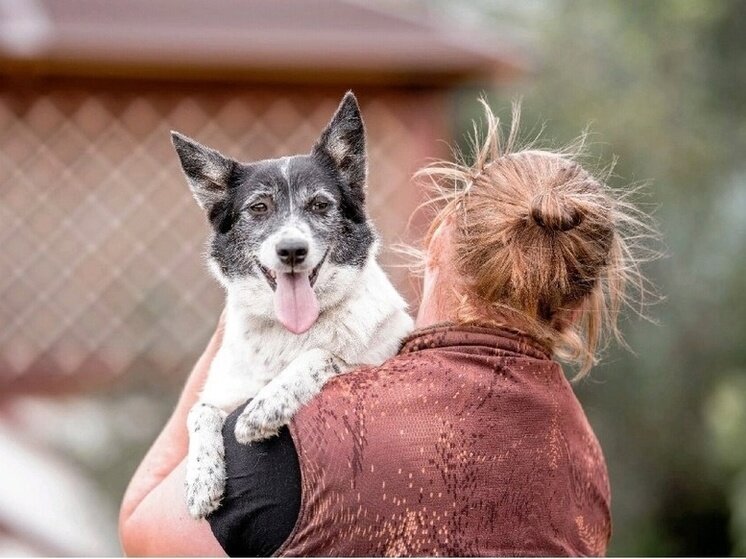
[203, 498]
[261, 420]
[205, 483]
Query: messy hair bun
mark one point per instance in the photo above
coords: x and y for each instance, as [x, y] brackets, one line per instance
[539, 242]
[554, 212]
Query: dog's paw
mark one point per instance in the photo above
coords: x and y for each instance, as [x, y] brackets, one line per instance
[203, 498]
[205, 483]
[261, 420]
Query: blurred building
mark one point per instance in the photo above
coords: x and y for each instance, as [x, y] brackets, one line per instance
[100, 237]
[101, 274]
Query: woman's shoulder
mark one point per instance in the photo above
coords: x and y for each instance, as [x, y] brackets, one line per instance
[468, 425]
[469, 365]
[483, 382]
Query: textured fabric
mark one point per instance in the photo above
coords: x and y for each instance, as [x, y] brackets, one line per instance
[469, 442]
[262, 494]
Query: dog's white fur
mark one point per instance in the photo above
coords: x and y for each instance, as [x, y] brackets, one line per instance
[363, 320]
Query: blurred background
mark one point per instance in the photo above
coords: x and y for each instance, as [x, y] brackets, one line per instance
[105, 301]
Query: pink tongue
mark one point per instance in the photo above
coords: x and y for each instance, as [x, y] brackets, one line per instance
[296, 305]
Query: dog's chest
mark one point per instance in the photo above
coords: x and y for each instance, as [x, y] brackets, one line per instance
[269, 354]
[248, 361]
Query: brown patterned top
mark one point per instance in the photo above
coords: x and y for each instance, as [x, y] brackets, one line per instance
[469, 442]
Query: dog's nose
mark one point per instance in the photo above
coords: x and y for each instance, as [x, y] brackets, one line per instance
[292, 251]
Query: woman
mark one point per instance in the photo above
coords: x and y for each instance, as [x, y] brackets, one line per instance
[470, 441]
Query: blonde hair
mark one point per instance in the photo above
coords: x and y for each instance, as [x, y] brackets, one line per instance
[539, 242]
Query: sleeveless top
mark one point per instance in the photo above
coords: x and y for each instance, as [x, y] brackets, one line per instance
[469, 442]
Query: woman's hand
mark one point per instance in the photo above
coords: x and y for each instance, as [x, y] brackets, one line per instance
[153, 519]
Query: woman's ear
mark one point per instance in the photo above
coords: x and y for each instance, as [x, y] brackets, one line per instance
[568, 317]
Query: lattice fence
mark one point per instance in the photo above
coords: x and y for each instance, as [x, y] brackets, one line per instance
[100, 241]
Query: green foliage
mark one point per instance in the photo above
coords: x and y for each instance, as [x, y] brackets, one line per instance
[663, 85]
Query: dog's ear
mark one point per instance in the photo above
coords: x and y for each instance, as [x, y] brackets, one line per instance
[343, 141]
[207, 171]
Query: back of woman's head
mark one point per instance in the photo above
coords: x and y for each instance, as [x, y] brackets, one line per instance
[538, 242]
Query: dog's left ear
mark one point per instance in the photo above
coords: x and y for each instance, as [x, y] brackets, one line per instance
[343, 141]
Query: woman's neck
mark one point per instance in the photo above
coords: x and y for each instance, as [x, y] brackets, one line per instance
[441, 282]
[439, 302]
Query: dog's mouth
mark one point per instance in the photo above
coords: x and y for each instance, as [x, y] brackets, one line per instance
[271, 275]
[295, 302]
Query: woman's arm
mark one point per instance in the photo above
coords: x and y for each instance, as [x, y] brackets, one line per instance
[153, 519]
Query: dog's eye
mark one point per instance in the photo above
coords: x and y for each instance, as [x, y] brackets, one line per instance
[259, 208]
[320, 205]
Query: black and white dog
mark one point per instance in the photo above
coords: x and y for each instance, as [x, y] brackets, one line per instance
[294, 248]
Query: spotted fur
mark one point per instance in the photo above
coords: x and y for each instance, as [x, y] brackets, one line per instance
[362, 318]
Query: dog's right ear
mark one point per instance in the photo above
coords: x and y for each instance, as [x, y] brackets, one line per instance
[207, 171]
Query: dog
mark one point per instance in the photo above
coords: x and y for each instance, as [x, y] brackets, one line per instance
[295, 251]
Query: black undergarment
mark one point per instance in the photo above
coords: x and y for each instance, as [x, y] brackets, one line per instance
[262, 494]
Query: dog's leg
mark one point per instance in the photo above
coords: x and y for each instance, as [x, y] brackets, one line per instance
[277, 402]
[205, 469]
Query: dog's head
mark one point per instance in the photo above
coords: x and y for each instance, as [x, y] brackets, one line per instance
[289, 234]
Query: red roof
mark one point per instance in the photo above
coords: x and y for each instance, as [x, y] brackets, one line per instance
[273, 37]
